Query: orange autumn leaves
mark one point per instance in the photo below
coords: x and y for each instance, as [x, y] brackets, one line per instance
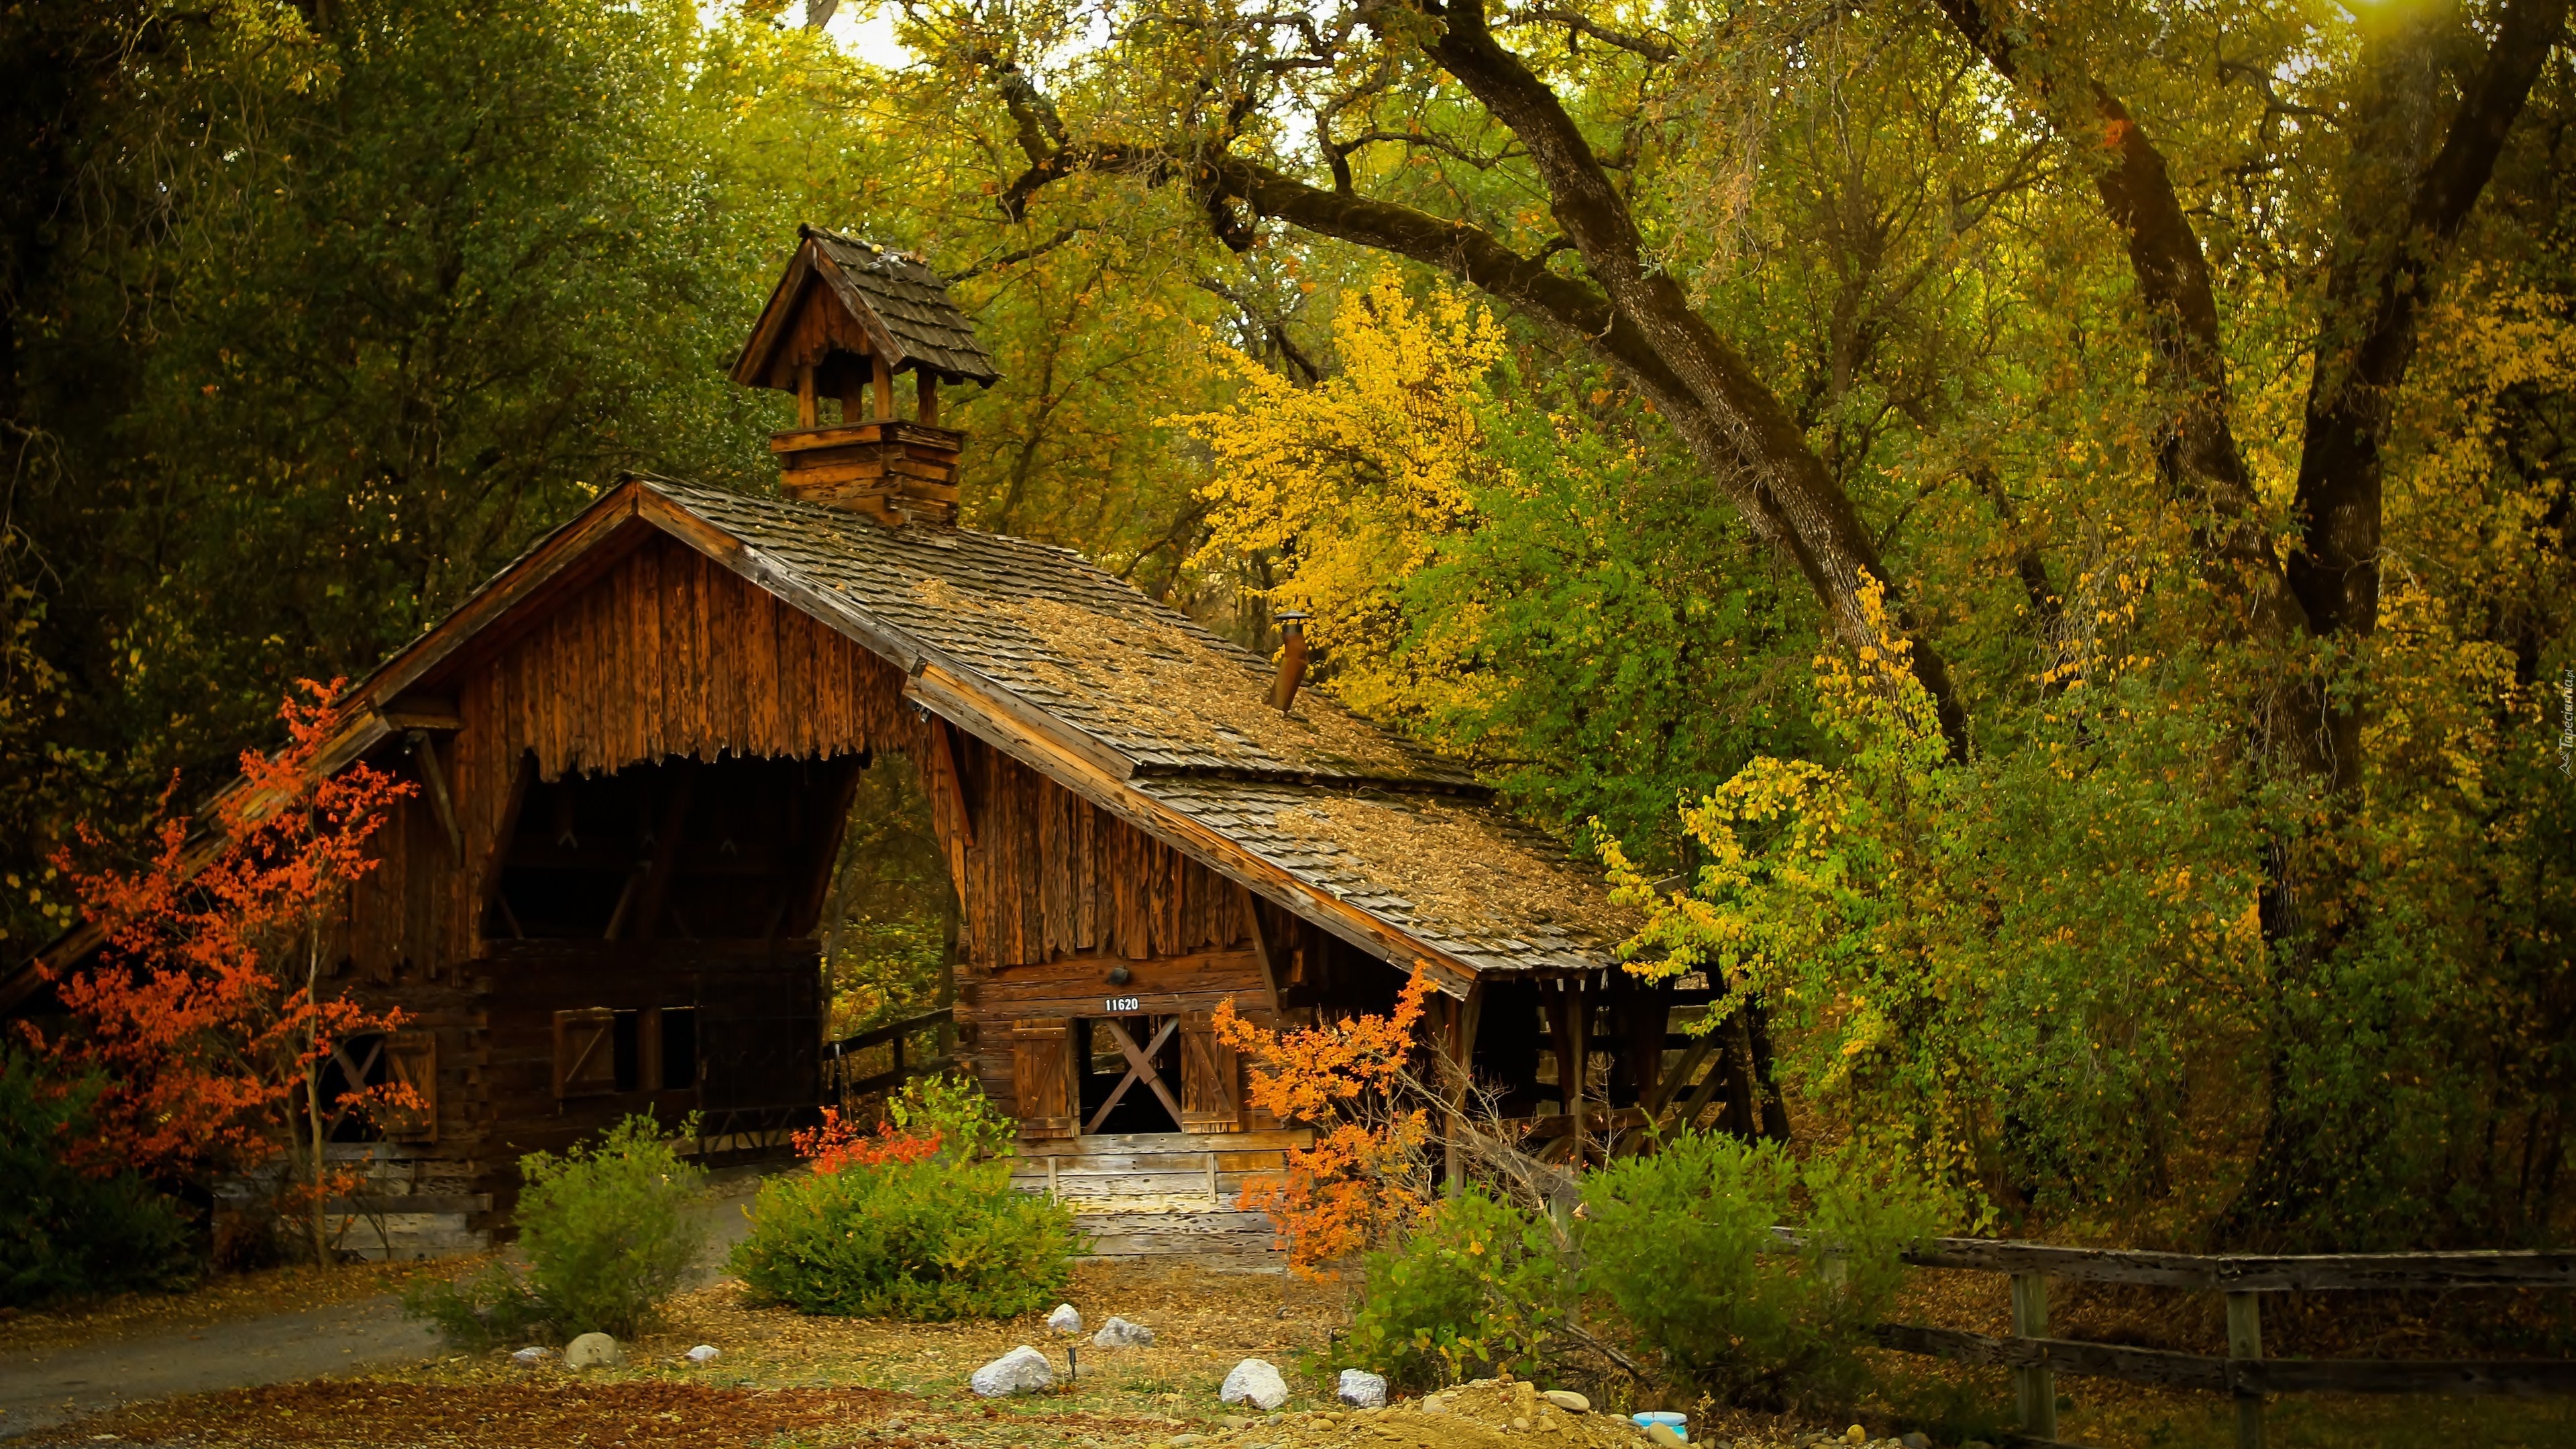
[201, 1009]
[840, 1143]
[1366, 1175]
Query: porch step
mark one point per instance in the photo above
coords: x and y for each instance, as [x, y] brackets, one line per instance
[1229, 1233]
[1162, 1194]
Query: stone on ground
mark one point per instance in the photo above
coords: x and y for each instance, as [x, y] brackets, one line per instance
[1066, 1319]
[1915, 1440]
[594, 1351]
[531, 1356]
[704, 1353]
[1663, 1437]
[1255, 1382]
[1568, 1400]
[1119, 1333]
[1023, 1370]
[1361, 1390]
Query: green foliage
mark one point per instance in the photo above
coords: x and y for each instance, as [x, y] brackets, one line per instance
[954, 1109]
[941, 1238]
[608, 1227]
[1478, 1287]
[64, 1232]
[1675, 1243]
[609, 1231]
[492, 1308]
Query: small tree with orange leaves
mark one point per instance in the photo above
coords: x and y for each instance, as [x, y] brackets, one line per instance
[1368, 1176]
[203, 1009]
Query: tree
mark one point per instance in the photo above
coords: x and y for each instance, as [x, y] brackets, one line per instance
[204, 1009]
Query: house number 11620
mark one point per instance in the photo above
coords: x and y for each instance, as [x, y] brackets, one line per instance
[1122, 1003]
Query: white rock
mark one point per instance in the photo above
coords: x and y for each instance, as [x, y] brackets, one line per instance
[704, 1353]
[1362, 1389]
[1023, 1370]
[1066, 1319]
[1255, 1382]
[594, 1351]
[1568, 1400]
[1662, 1436]
[531, 1356]
[1119, 1333]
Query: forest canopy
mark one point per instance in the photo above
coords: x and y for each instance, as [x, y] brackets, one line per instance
[2033, 537]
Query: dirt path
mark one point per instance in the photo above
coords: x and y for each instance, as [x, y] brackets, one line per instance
[44, 1384]
[40, 1388]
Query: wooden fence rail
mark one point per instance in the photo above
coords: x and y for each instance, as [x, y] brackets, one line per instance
[836, 1055]
[2244, 1374]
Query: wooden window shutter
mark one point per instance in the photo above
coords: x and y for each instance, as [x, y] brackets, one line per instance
[585, 1054]
[411, 1060]
[1043, 1084]
[1211, 1078]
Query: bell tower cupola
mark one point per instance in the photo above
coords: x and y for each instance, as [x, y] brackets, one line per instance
[845, 320]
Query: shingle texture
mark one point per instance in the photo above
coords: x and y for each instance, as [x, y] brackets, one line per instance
[912, 302]
[1351, 810]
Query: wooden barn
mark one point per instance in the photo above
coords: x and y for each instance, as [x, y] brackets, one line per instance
[636, 749]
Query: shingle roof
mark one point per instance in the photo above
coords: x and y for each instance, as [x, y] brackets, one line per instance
[1457, 875]
[1350, 810]
[910, 300]
[1066, 637]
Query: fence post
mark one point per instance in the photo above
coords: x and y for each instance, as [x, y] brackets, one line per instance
[2245, 1341]
[2034, 1387]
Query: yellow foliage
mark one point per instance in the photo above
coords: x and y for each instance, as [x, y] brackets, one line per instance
[1352, 481]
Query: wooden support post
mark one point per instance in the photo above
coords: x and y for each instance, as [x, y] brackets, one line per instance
[1211, 1174]
[882, 389]
[805, 411]
[927, 393]
[2245, 1340]
[1458, 1046]
[1577, 1052]
[1051, 1167]
[2034, 1388]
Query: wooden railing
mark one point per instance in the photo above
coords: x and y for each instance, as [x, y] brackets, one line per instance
[2245, 1374]
[836, 1063]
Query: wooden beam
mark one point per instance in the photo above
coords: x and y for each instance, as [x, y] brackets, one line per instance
[926, 397]
[1260, 941]
[880, 389]
[1140, 1063]
[431, 712]
[807, 414]
[424, 754]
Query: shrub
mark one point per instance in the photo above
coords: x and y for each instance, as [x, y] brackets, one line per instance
[608, 1232]
[63, 1231]
[908, 1223]
[1474, 1288]
[1680, 1245]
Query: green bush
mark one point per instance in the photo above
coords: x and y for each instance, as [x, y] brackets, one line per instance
[608, 1232]
[1679, 1244]
[62, 1231]
[942, 1236]
[1478, 1287]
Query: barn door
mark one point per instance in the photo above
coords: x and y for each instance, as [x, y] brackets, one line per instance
[1211, 1078]
[1043, 1078]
